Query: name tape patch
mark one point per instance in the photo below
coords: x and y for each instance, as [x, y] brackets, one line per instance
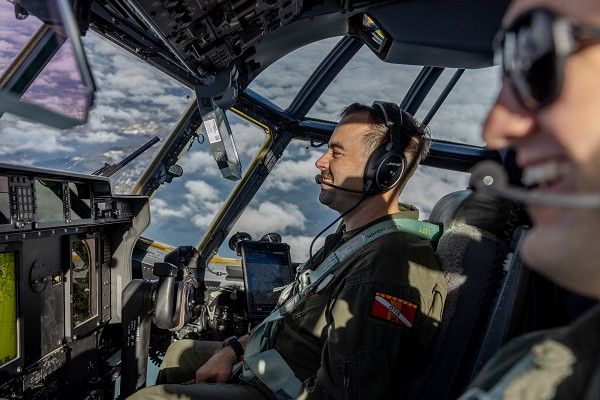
[393, 309]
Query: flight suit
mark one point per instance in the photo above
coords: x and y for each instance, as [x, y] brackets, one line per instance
[561, 363]
[360, 336]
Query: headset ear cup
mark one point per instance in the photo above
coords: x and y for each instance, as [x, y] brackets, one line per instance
[384, 170]
[371, 167]
[390, 170]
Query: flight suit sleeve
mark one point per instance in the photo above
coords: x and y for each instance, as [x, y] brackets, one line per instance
[380, 329]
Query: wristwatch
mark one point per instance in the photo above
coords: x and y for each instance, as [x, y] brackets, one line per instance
[232, 342]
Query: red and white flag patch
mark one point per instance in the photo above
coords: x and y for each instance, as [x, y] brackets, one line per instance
[393, 309]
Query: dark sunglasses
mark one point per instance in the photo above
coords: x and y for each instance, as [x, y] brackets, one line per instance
[534, 49]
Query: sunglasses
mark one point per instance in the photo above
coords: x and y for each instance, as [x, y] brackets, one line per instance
[533, 51]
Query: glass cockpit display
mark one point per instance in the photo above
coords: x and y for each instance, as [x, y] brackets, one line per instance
[8, 307]
[83, 262]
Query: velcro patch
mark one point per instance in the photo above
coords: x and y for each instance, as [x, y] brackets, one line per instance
[393, 309]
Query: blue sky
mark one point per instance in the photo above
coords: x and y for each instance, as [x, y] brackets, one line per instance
[135, 103]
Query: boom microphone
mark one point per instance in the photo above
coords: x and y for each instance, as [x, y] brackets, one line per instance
[319, 179]
[489, 177]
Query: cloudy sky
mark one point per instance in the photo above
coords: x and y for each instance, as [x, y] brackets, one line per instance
[134, 103]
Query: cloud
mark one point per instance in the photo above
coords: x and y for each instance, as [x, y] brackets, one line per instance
[161, 209]
[288, 173]
[248, 138]
[13, 33]
[461, 116]
[282, 80]
[270, 217]
[201, 203]
[98, 137]
[429, 184]
[194, 161]
[201, 191]
[28, 137]
[204, 219]
[300, 246]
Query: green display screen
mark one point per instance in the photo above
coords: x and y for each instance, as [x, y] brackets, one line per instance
[8, 307]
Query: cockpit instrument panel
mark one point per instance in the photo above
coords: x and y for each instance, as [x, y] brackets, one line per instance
[65, 243]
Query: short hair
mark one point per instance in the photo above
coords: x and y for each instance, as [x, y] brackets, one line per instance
[417, 134]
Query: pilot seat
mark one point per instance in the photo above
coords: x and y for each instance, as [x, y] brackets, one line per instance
[476, 239]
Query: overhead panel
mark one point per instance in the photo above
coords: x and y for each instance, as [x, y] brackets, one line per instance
[207, 36]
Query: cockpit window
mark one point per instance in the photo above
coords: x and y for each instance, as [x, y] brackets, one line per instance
[288, 204]
[183, 213]
[283, 79]
[361, 82]
[134, 103]
[429, 184]
[461, 115]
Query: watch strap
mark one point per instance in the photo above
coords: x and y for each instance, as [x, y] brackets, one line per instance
[236, 346]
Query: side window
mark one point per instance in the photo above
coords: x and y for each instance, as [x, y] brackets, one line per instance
[429, 184]
[461, 116]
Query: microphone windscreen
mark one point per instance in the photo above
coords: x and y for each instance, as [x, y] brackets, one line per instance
[488, 173]
[490, 178]
[318, 179]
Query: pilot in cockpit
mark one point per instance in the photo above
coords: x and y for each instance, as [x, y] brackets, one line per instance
[362, 313]
[547, 113]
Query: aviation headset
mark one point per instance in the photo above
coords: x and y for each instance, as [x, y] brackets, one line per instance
[386, 165]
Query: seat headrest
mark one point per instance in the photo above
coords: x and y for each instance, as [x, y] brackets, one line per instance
[463, 207]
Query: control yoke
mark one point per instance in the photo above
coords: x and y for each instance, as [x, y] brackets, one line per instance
[169, 301]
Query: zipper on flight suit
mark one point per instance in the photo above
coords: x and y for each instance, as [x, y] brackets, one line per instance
[318, 304]
[347, 389]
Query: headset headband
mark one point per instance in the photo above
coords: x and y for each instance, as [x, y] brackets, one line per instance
[394, 118]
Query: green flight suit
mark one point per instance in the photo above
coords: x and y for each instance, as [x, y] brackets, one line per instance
[561, 364]
[343, 343]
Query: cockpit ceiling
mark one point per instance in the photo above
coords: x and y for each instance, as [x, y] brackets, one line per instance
[207, 36]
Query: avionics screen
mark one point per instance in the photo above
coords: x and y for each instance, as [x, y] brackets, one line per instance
[83, 280]
[266, 266]
[8, 307]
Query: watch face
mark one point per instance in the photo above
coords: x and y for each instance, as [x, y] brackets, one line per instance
[230, 339]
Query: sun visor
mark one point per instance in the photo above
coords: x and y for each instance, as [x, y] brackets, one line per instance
[46, 78]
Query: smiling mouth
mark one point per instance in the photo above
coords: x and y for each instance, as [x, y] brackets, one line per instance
[327, 179]
[545, 173]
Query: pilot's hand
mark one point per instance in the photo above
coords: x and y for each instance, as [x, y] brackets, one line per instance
[218, 368]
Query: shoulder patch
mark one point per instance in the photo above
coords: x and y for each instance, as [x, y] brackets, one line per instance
[393, 309]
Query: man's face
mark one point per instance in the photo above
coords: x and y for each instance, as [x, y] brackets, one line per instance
[343, 163]
[558, 148]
